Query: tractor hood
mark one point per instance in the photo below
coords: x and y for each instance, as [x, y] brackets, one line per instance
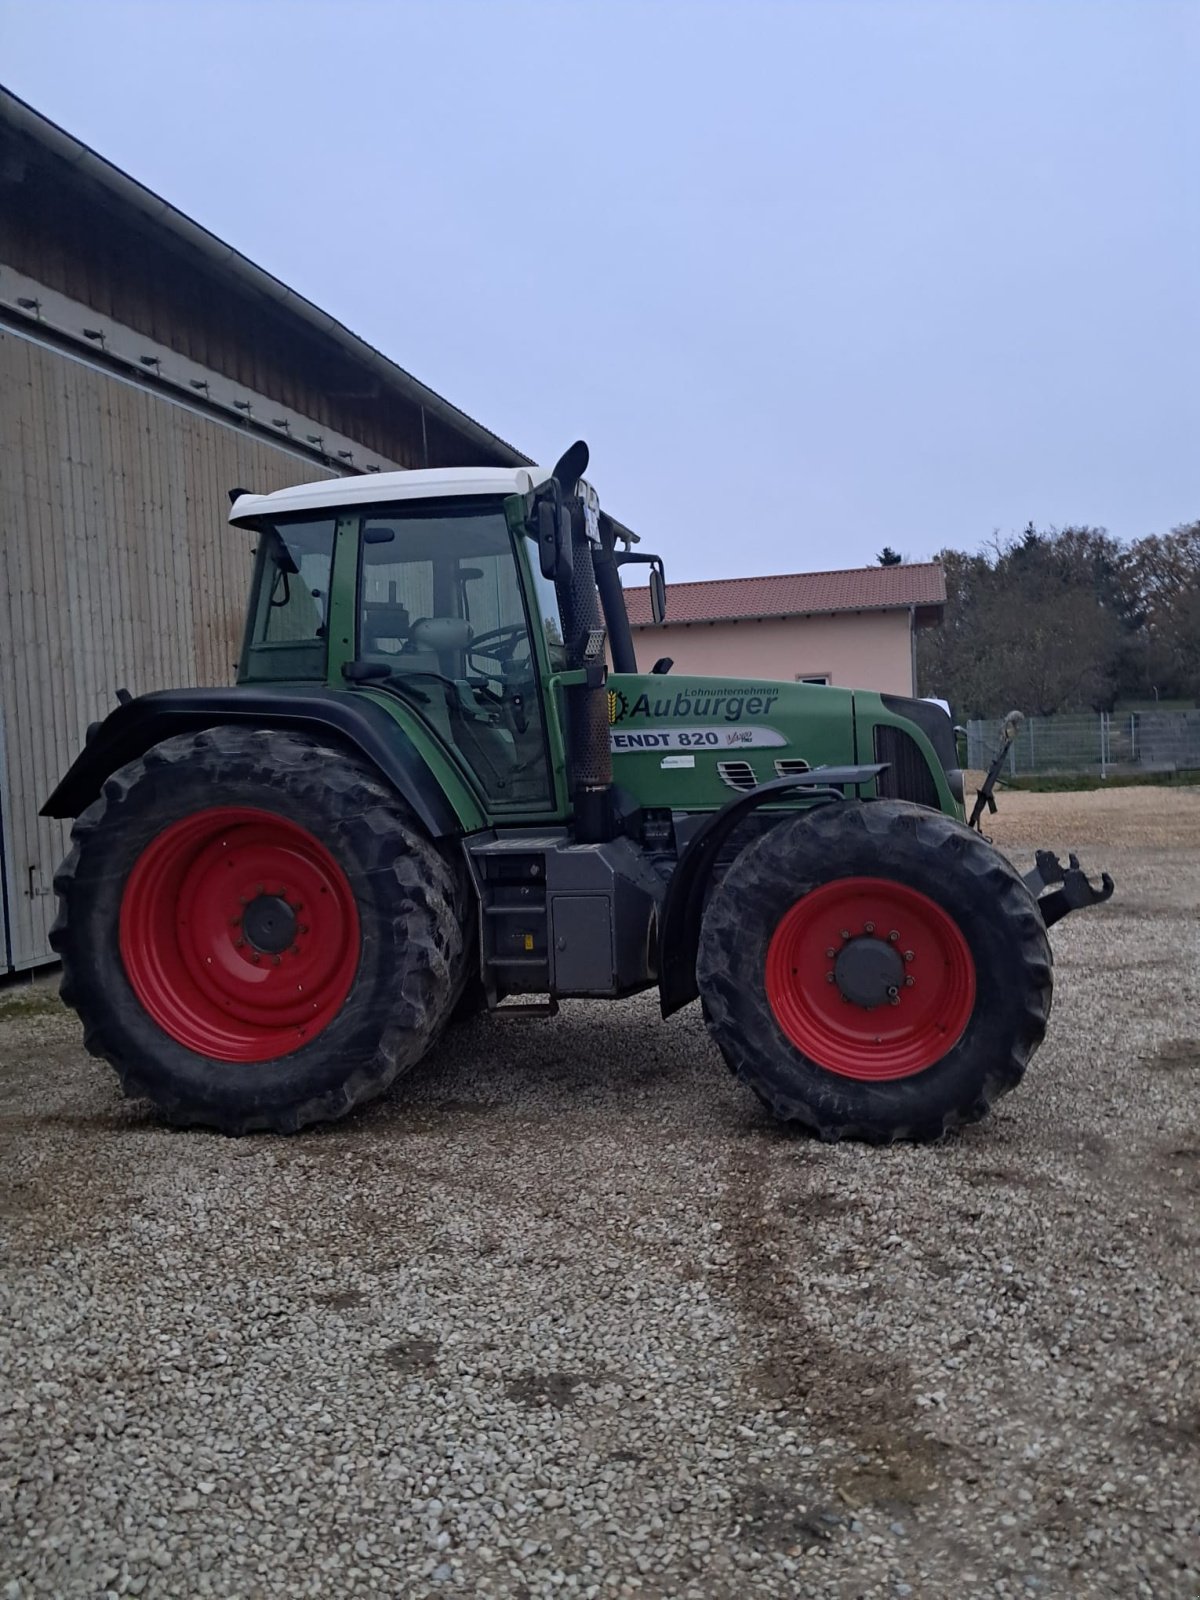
[686, 743]
[689, 743]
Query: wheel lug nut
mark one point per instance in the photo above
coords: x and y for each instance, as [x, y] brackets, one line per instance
[868, 927]
[295, 949]
[830, 953]
[845, 933]
[829, 977]
[275, 960]
[893, 937]
[235, 922]
[303, 928]
[909, 956]
[895, 1001]
[239, 944]
[908, 982]
[893, 992]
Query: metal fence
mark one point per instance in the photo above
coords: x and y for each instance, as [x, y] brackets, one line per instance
[1100, 742]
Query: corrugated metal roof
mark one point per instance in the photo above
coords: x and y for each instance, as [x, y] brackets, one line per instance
[797, 594]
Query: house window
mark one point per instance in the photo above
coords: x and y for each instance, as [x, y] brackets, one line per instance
[813, 677]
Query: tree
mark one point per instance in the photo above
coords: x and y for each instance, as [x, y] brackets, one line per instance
[1161, 575]
[888, 557]
[1035, 622]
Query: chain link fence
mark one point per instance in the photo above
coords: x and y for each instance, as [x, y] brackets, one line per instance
[1099, 742]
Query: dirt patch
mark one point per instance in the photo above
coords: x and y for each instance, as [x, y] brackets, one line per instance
[555, 1389]
[1179, 1055]
[342, 1299]
[411, 1355]
[794, 1360]
[776, 1516]
[1149, 818]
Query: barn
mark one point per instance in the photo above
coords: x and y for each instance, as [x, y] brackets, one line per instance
[145, 369]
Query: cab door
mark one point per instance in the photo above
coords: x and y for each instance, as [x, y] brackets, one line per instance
[444, 594]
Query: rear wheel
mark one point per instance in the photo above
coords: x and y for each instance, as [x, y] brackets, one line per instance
[255, 932]
[875, 971]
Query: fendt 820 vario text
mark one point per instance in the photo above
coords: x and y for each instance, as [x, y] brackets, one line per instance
[429, 794]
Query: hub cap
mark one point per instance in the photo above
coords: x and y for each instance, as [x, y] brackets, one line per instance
[239, 934]
[870, 979]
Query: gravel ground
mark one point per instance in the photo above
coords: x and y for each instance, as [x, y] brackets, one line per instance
[567, 1315]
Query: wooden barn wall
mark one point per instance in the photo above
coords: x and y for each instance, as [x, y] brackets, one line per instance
[104, 257]
[118, 568]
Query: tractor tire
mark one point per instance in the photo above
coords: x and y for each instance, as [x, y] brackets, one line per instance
[255, 932]
[875, 971]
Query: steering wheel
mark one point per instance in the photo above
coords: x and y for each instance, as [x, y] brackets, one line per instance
[503, 642]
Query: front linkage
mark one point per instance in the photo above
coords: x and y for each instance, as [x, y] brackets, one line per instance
[1074, 891]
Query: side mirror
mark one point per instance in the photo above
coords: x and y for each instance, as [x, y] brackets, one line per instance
[548, 537]
[556, 549]
[566, 544]
[658, 594]
[658, 579]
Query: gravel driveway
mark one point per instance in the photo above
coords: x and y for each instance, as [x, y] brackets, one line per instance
[567, 1315]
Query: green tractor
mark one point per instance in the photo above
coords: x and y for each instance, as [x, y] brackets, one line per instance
[430, 794]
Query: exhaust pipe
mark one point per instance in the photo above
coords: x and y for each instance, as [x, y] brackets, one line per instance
[589, 747]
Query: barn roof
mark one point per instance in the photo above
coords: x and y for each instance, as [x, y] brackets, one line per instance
[798, 594]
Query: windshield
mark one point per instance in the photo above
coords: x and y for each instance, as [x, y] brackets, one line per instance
[441, 606]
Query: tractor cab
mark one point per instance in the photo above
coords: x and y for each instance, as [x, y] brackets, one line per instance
[468, 597]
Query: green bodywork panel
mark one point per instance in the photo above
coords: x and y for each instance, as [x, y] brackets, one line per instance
[670, 732]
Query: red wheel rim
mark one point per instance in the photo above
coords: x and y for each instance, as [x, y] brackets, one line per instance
[930, 978]
[239, 934]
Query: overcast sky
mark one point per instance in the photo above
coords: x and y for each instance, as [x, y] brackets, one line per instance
[810, 278]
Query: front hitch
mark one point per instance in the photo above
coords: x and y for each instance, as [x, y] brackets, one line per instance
[1074, 892]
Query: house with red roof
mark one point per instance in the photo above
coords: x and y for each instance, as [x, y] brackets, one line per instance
[855, 628]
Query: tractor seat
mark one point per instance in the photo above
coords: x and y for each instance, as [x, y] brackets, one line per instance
[440, 633]
[385, 627]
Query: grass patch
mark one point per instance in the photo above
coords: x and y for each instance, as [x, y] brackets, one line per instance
[1072, 782]
[37, 1003]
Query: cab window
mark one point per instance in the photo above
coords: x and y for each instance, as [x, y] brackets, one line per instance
[441, 606]
[286, 636]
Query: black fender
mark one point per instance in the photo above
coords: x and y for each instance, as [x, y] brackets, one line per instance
[128, 732]
[679, 930]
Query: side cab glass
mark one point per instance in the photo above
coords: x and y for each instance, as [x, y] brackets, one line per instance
[286, 631]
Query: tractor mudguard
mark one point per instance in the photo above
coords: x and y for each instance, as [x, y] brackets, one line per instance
[129, 731]
[679, 936]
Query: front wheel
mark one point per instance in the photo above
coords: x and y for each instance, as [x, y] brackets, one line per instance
[875, 971]
[255, 932]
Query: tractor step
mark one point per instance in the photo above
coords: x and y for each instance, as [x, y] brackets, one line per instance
[524, 1008]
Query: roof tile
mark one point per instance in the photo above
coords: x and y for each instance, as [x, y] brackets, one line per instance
[797, 594]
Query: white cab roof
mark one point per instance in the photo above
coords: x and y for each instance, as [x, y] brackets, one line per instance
[372, 488]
